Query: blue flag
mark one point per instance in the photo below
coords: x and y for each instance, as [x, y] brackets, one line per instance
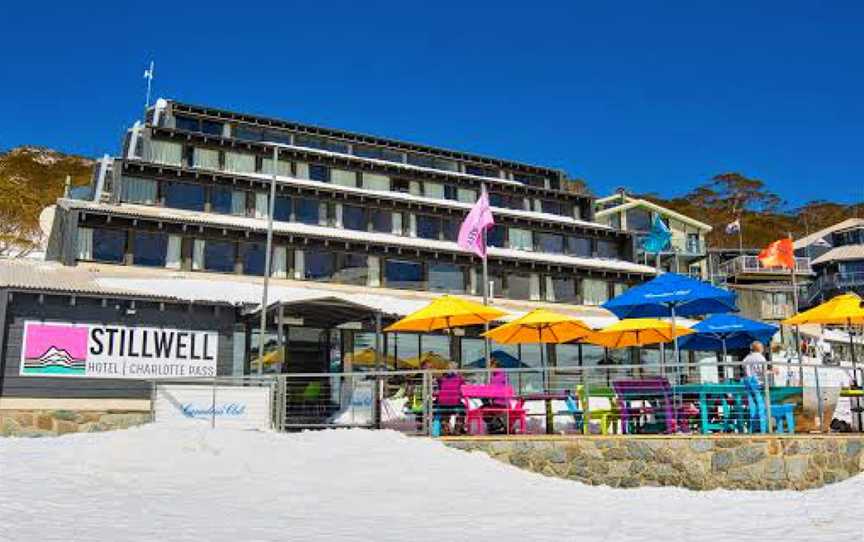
[658, 239]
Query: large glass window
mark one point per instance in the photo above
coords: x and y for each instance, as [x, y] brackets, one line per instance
[450, 228]
[186, 123]
[318, 172]
[466, 195]
[561, 290]
[506, 201]
[568, 355]
[595, 291]
[306, 211]
[428, 227]
[184, 196]
[608, 249]
[530, 180]
[404, 274]
[108, 245]
[482, 171]
[424, 160]
[352, 269]
[343, 177]
[496, 236]
[149, 249]
[254, 256]
[519, 286]
[382, 221]
[319, 265]
[220, 200]
[244, 132]
[638, 219]
[377, 153]
[445, 277]
[282, 209]
[550, 242]
[554, 207]
[219, 256]
[579, 246]
[313, 142]
[433, 190]
[521, 239]
[372, 181]
[353, 218]
[136, 190]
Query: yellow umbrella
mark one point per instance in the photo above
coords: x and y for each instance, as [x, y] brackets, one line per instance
[844, 309]
[540, 326]
[637, 332]
[435, 361]
[447, 312]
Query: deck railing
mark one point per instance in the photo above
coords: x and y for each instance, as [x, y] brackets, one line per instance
[750, 264]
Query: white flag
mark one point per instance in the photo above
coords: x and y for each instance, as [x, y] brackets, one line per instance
[733, 227]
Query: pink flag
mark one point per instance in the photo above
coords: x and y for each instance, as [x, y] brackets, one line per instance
[478, 220]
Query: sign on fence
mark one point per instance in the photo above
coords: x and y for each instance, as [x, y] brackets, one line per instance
[234, 407]
[116, 351]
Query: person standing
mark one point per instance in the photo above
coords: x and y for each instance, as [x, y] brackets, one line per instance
[755, 364]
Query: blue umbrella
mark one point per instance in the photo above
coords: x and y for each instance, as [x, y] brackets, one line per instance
[670, 295]
[727, 331]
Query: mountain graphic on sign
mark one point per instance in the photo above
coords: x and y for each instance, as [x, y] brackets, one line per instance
[58, 357]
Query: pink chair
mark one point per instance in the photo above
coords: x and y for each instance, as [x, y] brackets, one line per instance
[503, 403]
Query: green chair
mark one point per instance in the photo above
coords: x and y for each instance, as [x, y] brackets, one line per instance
[606, 417]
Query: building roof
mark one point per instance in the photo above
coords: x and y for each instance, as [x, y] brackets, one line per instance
[51, 277]
[841, 253]
[260, 224]
[632, 202]
[808, 240]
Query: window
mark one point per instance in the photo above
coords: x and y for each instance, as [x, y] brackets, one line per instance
[313, 142]
[579, 246]
[318, 172]
[238, 202]
[239, 162]
[451, 192]
[319, 265]
[638, 219]
[186, 123]
[618, 288]
[406, 186]
[506, 201]
[353, 218]
[445, 277]
[106, 245]
[306, 211]
[283, 168]
[594, 291]
[372, 181]
[466, 195]
[424, 160]
[567, 355]
[164, 152]
[481, 171]
[377, 153]
[608, 249]
[205, 158]
[382, 221]
[220, 200]
[274, 136]
[282, 209]
[521, 286]
[342, 177]
[253, 256]
[550, 242]
[184, 196]
[450, 228]
[352, 269]
[521, 239]
[428, 227]
[149, 249]
[135, 190]
[219, 256]
[247, 133]
[404, 274]
[211, 127]
[433, 190]
[553, 207]
[530, 180]
[496, 236]
[561, 290]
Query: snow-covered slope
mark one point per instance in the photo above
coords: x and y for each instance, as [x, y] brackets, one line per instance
[159, 484]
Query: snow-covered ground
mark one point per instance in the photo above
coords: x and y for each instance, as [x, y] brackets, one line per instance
[165, 484]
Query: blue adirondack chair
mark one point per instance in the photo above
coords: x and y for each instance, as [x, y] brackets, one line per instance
[783, 413]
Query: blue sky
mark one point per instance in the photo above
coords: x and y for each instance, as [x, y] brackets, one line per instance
[655, 96]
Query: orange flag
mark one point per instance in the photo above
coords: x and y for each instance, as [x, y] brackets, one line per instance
[780, 253]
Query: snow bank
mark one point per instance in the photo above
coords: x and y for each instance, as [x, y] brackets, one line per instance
[154, 483]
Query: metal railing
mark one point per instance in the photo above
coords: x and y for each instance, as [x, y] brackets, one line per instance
[827, 285]
[702, 398]
[750, 264]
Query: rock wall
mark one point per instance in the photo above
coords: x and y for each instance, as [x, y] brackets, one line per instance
[38, 423]
[731, 462]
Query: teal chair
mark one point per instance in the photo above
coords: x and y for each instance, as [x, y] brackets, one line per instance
[782, 413]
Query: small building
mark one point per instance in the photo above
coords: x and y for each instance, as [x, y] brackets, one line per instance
[837, 256]
[688, 247]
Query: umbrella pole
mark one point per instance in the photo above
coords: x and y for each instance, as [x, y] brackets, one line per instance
[675, 342]
[723, 363]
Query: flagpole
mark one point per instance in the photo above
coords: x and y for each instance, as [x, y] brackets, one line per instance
[148, 74]
[796, 335]
[486, 346]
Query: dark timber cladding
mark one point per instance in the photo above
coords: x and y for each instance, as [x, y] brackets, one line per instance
[266, 122]
[59, 307]
[125, 219]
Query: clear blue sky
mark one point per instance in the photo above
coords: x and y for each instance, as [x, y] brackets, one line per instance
[656, 96]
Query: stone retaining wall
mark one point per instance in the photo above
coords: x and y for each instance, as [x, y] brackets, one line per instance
[38, 423]
[732, 462]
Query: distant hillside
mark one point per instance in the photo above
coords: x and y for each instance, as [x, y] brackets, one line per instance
[764, 215]
[32, 178]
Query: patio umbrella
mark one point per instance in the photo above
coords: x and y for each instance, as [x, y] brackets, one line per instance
[436, 361]
[845, 309]
[540, 326]
[447, 312]
[637, 332]
[368, 357]
[505, 361]
[671, 295]
[727, 331]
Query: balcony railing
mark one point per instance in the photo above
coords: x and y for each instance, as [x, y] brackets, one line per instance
[827, 285]
[750, 264]
[689, 247]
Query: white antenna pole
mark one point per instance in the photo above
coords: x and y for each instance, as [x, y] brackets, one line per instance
[148, 75]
